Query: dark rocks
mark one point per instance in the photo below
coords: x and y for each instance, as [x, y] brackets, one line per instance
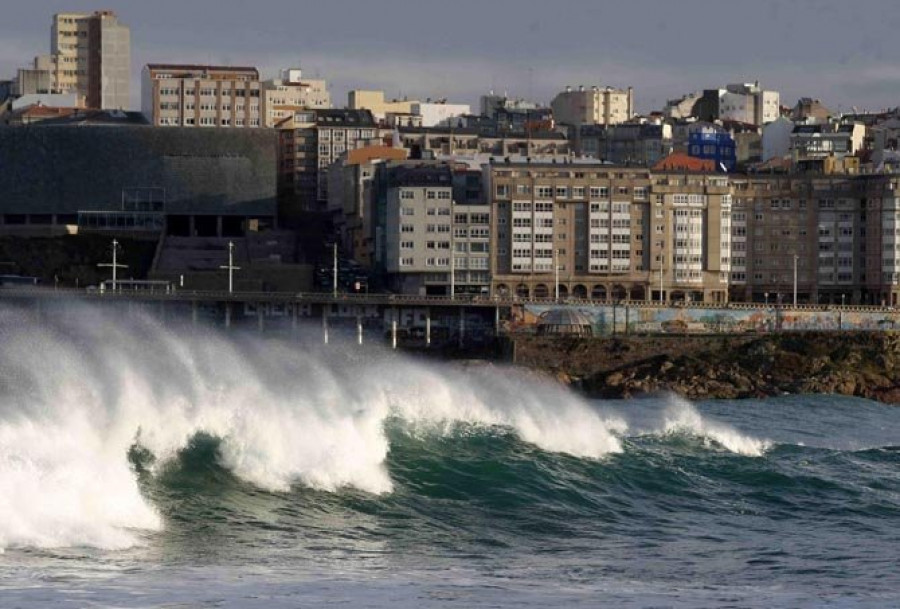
[864, 364]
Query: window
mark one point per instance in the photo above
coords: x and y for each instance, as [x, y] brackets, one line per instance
[407, 194]
[408, 211]
[407, 228]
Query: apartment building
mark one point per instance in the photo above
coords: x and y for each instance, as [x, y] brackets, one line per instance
[609, 232]
[431, 142]
[179, 95]
[374, 102]
[90, 55]
[291, 92]
[624, 144]
[310, 142]
[429, 241]
[350, 198]
[594, 106]
[843, 230]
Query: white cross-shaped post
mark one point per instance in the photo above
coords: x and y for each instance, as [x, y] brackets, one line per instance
[231, 268]
[115, 265]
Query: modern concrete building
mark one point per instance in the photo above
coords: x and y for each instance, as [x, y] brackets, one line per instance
[290, 92]
[594, 106]
[90, 54]
[98, 177]
[178, 95]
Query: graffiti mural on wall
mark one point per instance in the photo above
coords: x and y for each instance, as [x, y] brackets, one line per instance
[609, 319]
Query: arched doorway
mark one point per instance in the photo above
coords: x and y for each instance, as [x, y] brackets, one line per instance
[502, 290]
[541, 291]
[619, 292]
[579, 291]
[598, 292]
[522, 290]
[638, 293]
[563, 291]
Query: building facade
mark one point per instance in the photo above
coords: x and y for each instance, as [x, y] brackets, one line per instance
[429, 242]
[602, 232]
[177, 95]
[289, 93]
[310, 141]
[594, 106]
[90, 54]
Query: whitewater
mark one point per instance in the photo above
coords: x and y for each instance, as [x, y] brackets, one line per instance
[144, 464]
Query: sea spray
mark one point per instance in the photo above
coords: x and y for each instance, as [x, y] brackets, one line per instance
[78, 395]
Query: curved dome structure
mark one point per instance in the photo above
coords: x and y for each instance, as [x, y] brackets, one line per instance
[570, 322]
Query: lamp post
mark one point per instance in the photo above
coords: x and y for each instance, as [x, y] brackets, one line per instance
[556, 271]
[766, 296]
[230, 266]
[115, 265]
[334, 274]
[795, 280]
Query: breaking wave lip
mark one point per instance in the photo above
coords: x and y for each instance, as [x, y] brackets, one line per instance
[682, 417]
[75, 393]
[673, 415]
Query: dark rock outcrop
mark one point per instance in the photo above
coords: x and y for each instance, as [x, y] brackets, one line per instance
[863, 364]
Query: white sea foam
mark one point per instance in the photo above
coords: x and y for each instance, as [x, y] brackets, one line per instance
[680, 416]
[74, 397]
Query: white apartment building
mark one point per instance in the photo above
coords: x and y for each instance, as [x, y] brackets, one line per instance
[174, 95]
[440, 113]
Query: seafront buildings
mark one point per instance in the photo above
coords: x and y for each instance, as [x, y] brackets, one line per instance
[723, 195]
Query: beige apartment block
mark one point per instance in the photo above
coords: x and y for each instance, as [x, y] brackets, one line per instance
[176, 95]
[291, 92]
[593, 106]
[90, 55]
[609, 233]
[374, 102]
[616, 233]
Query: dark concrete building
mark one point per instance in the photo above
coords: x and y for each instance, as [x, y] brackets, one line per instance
[190, 182]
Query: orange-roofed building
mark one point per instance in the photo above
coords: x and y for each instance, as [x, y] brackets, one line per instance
[681, 161]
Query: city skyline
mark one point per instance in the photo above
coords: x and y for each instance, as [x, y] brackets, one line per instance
[423, 49]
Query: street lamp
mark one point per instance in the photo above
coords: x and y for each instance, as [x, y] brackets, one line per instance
[795, 280]
[230, 267]
[766, 295]
[842, 300]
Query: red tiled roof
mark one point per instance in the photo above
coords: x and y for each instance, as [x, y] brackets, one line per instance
[680, 161]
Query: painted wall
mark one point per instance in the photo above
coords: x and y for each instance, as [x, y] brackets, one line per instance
[685, 320]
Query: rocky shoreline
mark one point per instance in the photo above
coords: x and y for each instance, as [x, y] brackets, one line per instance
[862, 364]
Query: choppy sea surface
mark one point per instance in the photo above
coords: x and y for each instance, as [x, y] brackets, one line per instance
[144, 466]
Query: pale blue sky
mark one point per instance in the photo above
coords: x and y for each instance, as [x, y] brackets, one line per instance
[844, 53]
